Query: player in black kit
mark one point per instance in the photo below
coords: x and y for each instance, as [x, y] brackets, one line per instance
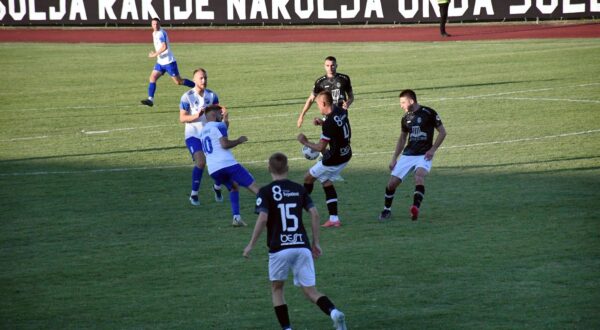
[338, 84]
[280, 205]
[418, 125]
[336, 133]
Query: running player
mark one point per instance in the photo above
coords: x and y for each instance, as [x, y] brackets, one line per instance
[222, 166]
[336, 134]
[191, 112]
[280, 207]
[338, 84]
[165, 62]
[418, 124]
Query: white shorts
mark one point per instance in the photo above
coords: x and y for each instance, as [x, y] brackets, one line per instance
[326, 173]
[299, 260]
[410, 163]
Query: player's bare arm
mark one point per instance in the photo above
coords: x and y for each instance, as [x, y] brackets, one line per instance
[184, 117]
[399, 147]
[320, 147]
[315, 224]
[307, 105]
[228, 144]
[163, 47]
[438, 142]
[346, 105]
[260, 225]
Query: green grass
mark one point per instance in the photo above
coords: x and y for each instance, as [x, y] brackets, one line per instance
[96, 230]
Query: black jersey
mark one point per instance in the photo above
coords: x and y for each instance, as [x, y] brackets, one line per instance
[419, 125]
[339, 86]
[283, 201]
[337, 132]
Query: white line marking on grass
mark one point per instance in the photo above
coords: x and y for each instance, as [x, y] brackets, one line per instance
[127, 169]
[121, 129]
[546, 99]
[26, 138]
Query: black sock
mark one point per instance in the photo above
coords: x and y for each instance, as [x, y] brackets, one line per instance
[389, 197]
[331, 200]
[282, 316]
[309, 187]
[419, 194]
[325, 305]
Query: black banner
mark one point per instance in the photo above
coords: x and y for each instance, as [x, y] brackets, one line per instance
[283, 12]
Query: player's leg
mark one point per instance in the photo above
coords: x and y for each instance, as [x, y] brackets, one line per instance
[332, 205]
[195, 147]
[403, 166]
[156, 73]
[309, 182]
[419, 194]
[173, 71]
[443, 19]
[234, 198]
[279, 305]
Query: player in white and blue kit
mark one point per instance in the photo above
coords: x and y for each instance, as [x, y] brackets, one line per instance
[222, 166]
[191, 112]
[165, 62]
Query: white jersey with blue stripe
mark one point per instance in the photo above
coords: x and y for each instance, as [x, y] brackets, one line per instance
[167, 56]
[193, 103]
[217, 157]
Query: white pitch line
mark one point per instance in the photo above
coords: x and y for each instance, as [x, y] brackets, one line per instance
[547, 99]
[127, 169]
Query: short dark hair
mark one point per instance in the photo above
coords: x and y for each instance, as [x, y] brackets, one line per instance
[327, 96]
[408, 93]
[330, 58]
[212, 107]
[156, 19]
[278, 163]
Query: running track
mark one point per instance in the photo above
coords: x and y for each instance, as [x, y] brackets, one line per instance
[310, 34]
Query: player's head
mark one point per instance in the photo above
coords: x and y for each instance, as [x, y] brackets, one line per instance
[278, 164]
[330, 65]
[213, 113]
[324, 102]
[156, 23]
[407, 99]
[200, 78]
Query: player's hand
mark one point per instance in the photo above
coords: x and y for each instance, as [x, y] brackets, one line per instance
[242, 139]
[429, 154]
[392, 164]
[247, 250]
[318, 121]
[345, 105]
[316, 251]
[300, 121]
[302, 138]
[151, 54]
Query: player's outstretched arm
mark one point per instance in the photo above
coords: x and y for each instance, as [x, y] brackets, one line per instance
[307, 105]
[260, 225]
[320, 147]
[228, 144]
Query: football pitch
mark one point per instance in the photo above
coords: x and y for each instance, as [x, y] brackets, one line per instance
[97, 230]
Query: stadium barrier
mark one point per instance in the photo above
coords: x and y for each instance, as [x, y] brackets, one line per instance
[282, 12]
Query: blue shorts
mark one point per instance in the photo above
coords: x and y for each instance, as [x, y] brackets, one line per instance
[194, 145]
[235, 173]
[171, 68]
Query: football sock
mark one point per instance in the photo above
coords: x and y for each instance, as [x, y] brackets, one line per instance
[283, 317]
[234, 197]
[389, 197]
[325, 305]
[188, 83]
[309, 187]
[419, 194]
[196, 178]
[151, 90]
[331, 200]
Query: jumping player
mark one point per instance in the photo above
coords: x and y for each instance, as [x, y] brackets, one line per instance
[165, 62]
[222, 166]
[336, 134]
[191, 112]
[418, 124]
[280, 207]
[338, 84]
